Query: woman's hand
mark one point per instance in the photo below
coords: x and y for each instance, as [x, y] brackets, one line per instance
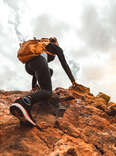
[74, 84]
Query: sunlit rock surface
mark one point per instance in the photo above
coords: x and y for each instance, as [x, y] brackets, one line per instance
[88, 127]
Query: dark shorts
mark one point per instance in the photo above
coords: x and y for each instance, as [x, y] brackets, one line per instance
[39, 67]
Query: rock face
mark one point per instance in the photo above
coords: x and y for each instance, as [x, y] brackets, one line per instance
[88, 127]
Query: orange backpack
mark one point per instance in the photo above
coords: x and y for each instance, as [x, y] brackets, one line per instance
[32, 48]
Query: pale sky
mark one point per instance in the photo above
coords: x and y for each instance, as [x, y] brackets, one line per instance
[86, 31]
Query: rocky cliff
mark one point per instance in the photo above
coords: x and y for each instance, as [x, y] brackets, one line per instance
[88, 127]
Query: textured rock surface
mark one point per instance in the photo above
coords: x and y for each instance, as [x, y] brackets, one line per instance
[88, 127]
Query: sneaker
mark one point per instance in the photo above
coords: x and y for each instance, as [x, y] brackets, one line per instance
[21, 109]
[26, 124]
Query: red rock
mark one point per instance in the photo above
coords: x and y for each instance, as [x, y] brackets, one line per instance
[104, 96]
[88, 127]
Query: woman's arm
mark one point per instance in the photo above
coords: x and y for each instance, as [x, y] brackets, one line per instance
[59, 52]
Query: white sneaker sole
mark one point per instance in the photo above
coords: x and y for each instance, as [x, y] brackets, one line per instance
[20, 112]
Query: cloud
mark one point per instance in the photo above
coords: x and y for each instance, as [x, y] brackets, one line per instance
[92, 72]
[97, 28]
[47, 26]
[15, 14]
[15, 5]
[93, 30]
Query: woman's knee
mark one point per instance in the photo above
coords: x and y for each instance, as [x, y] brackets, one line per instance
[28, 69]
